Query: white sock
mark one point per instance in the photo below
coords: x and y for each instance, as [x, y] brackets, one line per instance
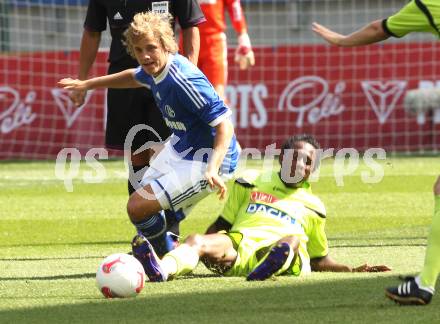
[419, 284]
[169, 265]
[181, 260]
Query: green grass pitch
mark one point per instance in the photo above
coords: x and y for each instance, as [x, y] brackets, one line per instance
[51, 242]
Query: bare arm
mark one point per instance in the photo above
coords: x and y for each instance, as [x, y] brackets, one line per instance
[369, 34]
[191, 43]
[223, 135]
[327, 263]
[89, 48]
[124, 79]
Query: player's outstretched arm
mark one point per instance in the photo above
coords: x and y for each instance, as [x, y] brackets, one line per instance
[327, 263]
[124, 79]
[369, 34]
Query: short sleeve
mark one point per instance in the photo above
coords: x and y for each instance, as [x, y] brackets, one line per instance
[317, 246]
[188, 13]
[96, 17]
[142, 77]
[414, 17]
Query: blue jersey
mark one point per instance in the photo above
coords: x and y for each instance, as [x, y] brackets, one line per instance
[191, 109]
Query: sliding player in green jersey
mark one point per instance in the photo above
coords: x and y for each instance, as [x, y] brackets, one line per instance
[271, 224]
[416, 16]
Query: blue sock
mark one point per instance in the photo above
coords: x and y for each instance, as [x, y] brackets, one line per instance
[155, 230]
[163, 244]
[173, 219]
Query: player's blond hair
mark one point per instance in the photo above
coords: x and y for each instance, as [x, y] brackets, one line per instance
[150, 24]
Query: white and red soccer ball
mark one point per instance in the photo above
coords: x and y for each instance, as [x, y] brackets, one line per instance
[119, 276]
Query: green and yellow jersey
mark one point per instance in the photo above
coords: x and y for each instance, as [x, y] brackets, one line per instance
[416, 16]
[263, 209]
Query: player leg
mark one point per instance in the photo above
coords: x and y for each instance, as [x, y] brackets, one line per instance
[214, 249]
[171, 184]
[280, 257]
[217, 248]
[127, 108]
[138, 122]
[419, 290]
[431, 269]
[173, 217]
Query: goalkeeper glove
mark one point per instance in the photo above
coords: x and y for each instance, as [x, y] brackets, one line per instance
[244, 55]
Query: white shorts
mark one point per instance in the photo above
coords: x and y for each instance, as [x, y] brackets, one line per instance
[177, 183]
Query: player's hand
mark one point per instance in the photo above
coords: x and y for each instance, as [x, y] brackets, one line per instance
[215, 181]
[437, 187]
[73, 84]
[330, 36]
[244, 55]
[368, 268]
[78, 87]
[77, 97]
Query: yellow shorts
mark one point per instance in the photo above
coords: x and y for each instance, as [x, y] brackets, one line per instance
[251, 252]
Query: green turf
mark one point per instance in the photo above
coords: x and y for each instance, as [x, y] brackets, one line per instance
[51, 242]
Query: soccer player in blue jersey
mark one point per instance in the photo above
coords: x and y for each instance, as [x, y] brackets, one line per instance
[139, 104]
[272, 224]
[202, 150]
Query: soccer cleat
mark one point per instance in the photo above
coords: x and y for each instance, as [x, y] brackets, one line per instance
[144, 252]
[276, 258]
[409, 293]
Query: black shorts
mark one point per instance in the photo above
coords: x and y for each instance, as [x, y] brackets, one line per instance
[127, 108]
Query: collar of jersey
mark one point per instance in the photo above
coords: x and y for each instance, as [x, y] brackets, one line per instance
[281, 186]
[164, 72]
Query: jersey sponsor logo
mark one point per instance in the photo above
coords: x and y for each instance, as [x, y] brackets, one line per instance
[261, 208]
[175, 124]
[160, 7]
[170, 112]
[117, 16]
[264, 197]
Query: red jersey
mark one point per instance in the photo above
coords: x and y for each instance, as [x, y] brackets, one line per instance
[214, 11]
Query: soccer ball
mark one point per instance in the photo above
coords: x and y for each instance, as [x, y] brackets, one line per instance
[119, 276]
